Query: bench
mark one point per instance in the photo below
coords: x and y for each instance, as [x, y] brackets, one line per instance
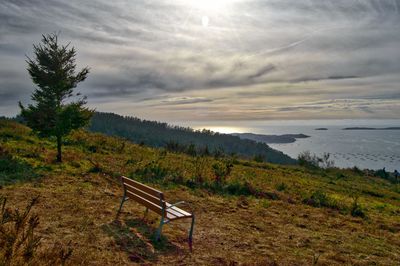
[153, 200]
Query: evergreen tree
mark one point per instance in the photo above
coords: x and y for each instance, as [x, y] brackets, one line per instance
[53, 72]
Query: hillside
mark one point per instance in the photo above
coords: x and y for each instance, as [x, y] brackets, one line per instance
[262, 214]
[157, 134]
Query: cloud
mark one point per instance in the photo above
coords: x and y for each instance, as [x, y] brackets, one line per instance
[308, 79]
[185, 100]
[282, 54]
[262, 71]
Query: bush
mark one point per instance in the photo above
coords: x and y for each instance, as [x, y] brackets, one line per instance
[259, 158]
[320, 199]
[325, 161]
[306, 159]
[281, 187]
[13, 169]
[313, 161]
[199, 164]
[356, 209]
[221, 171]
[153, 171]
[18, 241]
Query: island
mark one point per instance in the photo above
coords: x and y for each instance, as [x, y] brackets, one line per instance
[271, 139]
[371, 128]
[321, 128]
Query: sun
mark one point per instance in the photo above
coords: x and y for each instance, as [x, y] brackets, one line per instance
[210, 5]
[204, 21]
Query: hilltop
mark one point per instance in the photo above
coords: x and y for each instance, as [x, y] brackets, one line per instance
[263, 213]
[176, 138]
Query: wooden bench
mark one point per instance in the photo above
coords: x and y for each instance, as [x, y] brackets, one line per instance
[154, 200]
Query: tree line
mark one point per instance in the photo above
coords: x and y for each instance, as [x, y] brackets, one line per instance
[183, 139]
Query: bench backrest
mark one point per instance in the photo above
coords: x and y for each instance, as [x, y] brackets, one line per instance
[149, 197]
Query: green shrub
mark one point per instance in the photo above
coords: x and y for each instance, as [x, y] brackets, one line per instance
[281, 187]
[199, 165]
[221, 171]
[153, 171]
[259, 158]
[356, 209]
[13, 169]
[313, 161]
[306, 159]
[320, 199]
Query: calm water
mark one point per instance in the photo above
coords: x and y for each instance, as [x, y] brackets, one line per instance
[373, 149]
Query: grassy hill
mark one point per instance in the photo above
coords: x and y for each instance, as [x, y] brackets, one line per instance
[259, 213]
[158, 134]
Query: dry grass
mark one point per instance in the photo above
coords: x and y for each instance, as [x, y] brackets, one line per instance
[78, 205]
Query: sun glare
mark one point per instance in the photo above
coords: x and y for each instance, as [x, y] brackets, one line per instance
[209, 5]
[224, 130]
[204, 21]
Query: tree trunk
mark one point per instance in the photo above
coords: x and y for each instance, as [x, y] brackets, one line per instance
[59, 142]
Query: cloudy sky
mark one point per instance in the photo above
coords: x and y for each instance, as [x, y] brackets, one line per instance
[216, 60]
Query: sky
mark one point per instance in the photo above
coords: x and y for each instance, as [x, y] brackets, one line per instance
[216, 60]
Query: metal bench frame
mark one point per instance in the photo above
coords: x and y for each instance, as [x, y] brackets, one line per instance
[164, 206]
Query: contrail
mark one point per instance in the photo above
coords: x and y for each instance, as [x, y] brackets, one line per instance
[293, 44]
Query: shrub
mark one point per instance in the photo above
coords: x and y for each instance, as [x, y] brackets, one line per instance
[281, 186]
[306, 159]
[221, 171]
[199, 164]
[357, 170]
[320, 199]
[313, 161]
[325, 161]
[153, 171]
[356, 209]
[13, 169]
[18, 241]
[191, 150]
[259, 158]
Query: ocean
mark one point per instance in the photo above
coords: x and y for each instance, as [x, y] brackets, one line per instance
[371, 149]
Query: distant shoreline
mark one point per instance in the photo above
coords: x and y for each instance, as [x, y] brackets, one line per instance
[371, 128]
[271, 139]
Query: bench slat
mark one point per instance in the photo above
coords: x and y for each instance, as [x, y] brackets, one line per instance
[140, 186]
[141, 193]
[144, 202]
[177, 211]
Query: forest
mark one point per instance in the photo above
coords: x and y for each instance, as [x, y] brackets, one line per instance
[183, 139]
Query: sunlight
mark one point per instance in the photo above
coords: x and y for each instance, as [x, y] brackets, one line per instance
[204, 21]
[224, 130]
[209, 5]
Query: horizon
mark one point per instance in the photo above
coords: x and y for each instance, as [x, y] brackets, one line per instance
[216, 61]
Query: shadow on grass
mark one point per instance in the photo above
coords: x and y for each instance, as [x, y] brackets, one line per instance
[13, 170]
[137, 239]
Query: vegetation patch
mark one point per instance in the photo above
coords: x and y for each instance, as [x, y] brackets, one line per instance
[19, 242]
[321, 199]
[357, 210]
[13, 170]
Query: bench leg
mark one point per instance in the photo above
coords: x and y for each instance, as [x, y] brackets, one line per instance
[158, 236]
[122, 202]
[146, 212]
[191, 234]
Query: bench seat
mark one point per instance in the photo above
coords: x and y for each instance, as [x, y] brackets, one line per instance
[174, 213]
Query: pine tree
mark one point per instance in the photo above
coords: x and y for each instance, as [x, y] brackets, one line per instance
[56, 110]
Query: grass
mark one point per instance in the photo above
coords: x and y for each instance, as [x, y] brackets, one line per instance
[256, 213]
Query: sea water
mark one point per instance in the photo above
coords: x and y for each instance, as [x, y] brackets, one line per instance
[372, 149]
